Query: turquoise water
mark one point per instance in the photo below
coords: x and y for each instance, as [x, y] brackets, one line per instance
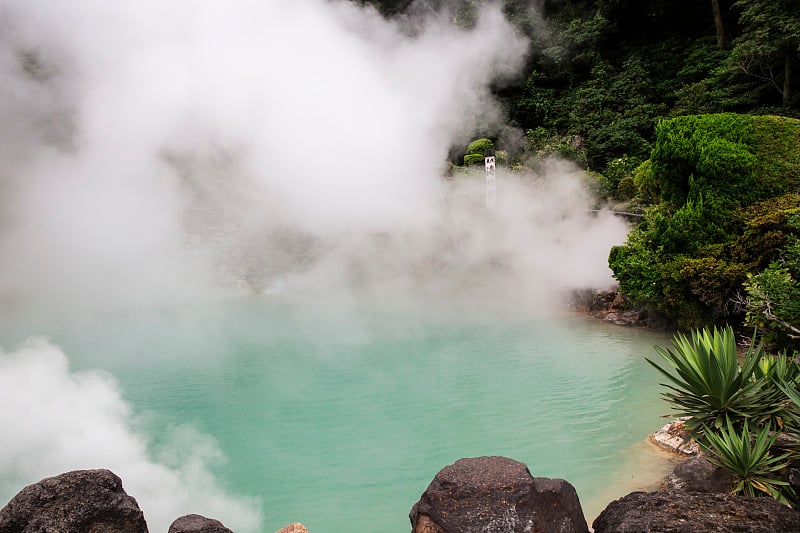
[339, 413]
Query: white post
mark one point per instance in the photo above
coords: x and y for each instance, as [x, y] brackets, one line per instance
[491, 183]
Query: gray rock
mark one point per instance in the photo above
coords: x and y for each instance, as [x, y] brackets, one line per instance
[698, 474]
[496, 495]
[690, 512]
[81, 501]
[195, 523]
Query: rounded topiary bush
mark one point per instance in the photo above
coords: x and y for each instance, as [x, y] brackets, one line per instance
[479, 146]
[473, 159]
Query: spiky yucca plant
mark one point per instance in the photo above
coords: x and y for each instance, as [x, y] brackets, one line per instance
[708, 384]
[749, 459]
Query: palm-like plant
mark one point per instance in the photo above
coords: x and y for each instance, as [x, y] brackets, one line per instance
[708, 384]
[749, 459]
[792, 413]
[779, 368]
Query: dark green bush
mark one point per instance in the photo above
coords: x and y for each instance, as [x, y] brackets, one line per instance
[776, 145]
[708, 229]
[698, 153]
[646, 183]
[773, 295]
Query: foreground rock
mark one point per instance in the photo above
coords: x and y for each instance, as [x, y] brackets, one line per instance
[698, 474]
[690, 512]
[195, 523]
[496, 495]
[75, 502]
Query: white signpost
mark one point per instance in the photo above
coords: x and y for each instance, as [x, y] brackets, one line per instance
[491, 182]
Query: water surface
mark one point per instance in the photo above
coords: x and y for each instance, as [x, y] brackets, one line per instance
[339, 413]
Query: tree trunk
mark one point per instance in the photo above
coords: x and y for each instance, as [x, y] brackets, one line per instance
[787, 80]
[718, 23]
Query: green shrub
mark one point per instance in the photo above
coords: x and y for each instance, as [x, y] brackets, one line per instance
[479, 146]
[626, 188]
[695, 154]
[776, 145]
[713, 283]
[473, 159]
[543, 144]
[646, 182]
[712, 221]
[765, 230]
[773, 295]
[616, 170]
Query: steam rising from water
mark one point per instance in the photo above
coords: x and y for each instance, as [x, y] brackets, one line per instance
[60, 420]
[156, 152]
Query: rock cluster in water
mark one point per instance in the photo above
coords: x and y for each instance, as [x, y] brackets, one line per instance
[483, 494]
[613, 307]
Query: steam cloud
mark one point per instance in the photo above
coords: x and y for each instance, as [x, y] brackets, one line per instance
[156, 152]
[60, 418]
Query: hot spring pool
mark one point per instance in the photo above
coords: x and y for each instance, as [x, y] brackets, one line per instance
[339, 413]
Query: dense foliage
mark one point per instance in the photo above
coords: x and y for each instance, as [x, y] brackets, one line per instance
[736, 409]
[723, 189]
[681, 110]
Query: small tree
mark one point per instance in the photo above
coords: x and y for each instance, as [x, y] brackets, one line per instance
[769, 44]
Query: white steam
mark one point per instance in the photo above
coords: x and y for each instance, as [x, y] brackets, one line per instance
[58, 420]
[163, 151]
[158, 150]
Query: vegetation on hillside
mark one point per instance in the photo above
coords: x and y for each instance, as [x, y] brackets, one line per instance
[723, 190]
[682, 110]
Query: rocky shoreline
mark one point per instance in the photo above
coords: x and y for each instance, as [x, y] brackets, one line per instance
[481, 494]
[613, 307]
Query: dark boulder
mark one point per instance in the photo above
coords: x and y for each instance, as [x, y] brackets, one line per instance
[494, 495]
[195, 523]
[82, 501]
[689, 512]
[698, 474]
